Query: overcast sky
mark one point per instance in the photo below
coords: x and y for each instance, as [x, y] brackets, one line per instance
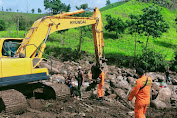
[24, 5]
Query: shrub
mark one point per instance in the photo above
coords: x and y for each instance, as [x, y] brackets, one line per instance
[174, 62]
[116, 25]
[2, 25]
[151, 61]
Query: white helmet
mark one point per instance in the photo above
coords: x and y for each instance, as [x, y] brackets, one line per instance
[79, 67]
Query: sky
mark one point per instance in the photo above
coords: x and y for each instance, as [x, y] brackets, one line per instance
[27, 5]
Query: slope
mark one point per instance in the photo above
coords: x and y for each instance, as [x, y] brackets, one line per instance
[114, 48]
[125, 44]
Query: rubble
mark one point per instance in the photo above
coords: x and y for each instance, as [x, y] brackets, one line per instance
[118, 84]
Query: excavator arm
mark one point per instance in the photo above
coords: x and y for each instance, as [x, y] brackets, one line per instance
[15, 72]
[49, 24]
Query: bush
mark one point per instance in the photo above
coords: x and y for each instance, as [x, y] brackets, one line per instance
[174, 62]
[151, 61]
[2, 25]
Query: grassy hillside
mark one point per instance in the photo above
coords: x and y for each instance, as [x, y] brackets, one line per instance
[112, 6]
[165, 44]
[11, 18]
[114, 48]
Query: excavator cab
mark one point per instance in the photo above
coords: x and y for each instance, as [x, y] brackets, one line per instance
[9, 46]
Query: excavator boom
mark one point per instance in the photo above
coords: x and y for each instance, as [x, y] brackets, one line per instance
[49, 24]
[17, 73]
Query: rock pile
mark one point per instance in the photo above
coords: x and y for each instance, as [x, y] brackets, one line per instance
[119, 82]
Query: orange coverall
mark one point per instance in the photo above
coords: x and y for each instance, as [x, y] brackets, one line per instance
[100, 89]
[142, 96]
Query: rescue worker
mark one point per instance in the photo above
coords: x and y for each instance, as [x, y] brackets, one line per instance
[80, 79]
[68, 81]
[101, 84]
[141, 91]
[167, 73]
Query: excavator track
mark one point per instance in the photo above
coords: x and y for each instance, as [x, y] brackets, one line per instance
[56, 90]
[12, 102]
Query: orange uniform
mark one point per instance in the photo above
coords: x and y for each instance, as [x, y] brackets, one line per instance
[142, 96]
[100, 89]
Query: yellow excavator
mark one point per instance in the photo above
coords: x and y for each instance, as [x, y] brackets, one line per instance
[19, 59]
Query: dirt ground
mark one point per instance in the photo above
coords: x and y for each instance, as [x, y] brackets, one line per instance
[68, 107]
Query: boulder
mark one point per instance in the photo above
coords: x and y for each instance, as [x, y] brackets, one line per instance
[164, 95]
[163, 99]
[133, 101]
[130, 73]
[108, 99]
[113, 96]
[108, 92]
[106, 85]
[60, 79]
[158, 104]
[119, 78]
[130, 113]
[93, 94]
[131, 81]
[118, 70]
[173, 99]
[156, 86]
[112, 70]
[174, 81]
[156, 76]
[154, 94]
[120, 92]
[122, 84]
[109, 76]
[89, 75]
[63, 71]
[45, 65]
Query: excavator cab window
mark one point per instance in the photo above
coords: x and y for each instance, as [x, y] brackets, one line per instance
[10, 47]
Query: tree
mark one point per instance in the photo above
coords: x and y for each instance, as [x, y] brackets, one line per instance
[39, 10]
[2, 9]
[55, 6]
[2, 25]
[133, 28]
[108, 2]
[7, 10]
[82, 29]
[32, 10]
[176, 23]
[116, 25]
[152, 23]
[10, 9]
[82, 6]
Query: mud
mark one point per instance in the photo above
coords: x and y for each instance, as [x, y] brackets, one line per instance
[113, 105]
[68, 107]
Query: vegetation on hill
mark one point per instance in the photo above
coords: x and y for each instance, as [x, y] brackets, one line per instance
[170, 4]
[26, 19]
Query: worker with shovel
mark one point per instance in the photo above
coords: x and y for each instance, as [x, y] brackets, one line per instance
[141, 91]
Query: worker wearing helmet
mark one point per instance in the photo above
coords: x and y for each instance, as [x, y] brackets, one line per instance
[141, 91]
[101, 84]
[80, 80]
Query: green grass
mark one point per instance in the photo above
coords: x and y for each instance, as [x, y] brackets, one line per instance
[166, 44]
[121, 47]
[12, 15]
[11, 18]
[112, 6]
[12, 34]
